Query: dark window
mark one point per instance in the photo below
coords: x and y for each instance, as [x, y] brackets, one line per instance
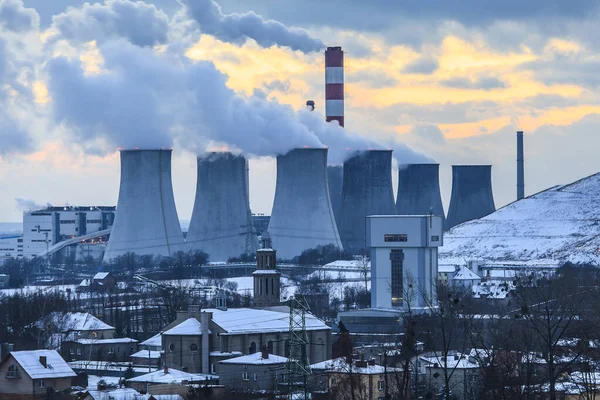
[252, 348]
[435, 238]
[172, 347]
[270, 347]
[397, 259]
[400, 237]
[194, 347]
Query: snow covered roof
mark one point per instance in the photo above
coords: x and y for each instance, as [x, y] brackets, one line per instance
[446, 269]
[105, 341]
[256, 359]
[465, 274]
[340, 365]
[459, 361]
[555, 226]
[225, 353]
[73, 322]
[30, 362]
[171, 376]
[153, 354]
[492, 289]
[190, 326]
[100, 275]
[349, 264]
[266, 272]
[249, 320]
[154, 341]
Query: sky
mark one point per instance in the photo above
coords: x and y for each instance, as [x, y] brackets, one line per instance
[435, 82]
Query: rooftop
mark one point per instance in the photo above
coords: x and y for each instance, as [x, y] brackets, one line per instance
[154, 341]
[105, 341]
[100, 275]
[256, 359]
[248, 320]
[190, 326]
[340, 365]
[30, 362]
[465, 274]
[73, 322]
[171, 376]
[152, 354]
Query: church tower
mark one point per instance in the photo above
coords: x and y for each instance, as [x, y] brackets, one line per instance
[267, 286]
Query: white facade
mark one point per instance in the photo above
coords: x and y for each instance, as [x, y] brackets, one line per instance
[404, 259]
[44, 228]
[11, 246]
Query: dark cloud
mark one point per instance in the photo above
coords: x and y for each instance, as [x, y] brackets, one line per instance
[545, 101]
[238, 28]
[15, 17]
[572, 68]
[422, 65]
[140, 23]
[278, 85]
[481, 83]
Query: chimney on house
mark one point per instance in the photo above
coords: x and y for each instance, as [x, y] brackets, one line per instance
[265, 352]
[43, 361]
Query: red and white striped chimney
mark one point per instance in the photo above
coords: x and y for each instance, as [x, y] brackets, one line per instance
[334, 84]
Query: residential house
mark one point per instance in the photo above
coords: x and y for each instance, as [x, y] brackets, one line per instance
[344, 379]
[260, 372]
[168, 376]
[125, 394]
[58, 327]
[32, 374]
[464, 374]
[464, 277]
[86, 349]
[101, 282]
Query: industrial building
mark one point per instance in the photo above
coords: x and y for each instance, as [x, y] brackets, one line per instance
[45, 228]
[221, 223]
[367, 190]
[419, 190]
[472, 195]
[335, 181]
[146, 220]
[11, 246]
[404, 259]
[334, 85]
[302, 217]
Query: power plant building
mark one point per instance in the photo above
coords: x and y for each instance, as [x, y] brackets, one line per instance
[221, 223]
[367, 190]
[419, 190]
[146, 221]
[302, 217]
[335, 181]
[404, 259]
[472, 195]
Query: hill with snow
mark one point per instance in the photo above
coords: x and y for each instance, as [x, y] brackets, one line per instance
[549, 228]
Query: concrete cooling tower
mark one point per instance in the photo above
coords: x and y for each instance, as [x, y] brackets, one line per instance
[367, 190]
[472, 195]
[302, 217]
[335, 180]
[419, 190]
[146, 221]
[221, 223]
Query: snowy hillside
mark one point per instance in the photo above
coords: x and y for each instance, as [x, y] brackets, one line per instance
[551, 227]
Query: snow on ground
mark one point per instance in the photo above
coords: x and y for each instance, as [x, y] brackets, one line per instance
[94, 379]
[547, 229]
[30, 289]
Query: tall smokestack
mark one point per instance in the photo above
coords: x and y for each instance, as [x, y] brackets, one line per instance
[334, 85]
[419, 190]
[221, 223]
[367, 190]
[302, 217]
[520, 167]
[146, 220]
[472, 195]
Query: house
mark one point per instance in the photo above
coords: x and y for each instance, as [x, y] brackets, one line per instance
[101, 282]
[168, 376]
[79, 325]
[464, 373]
[340, 377]
[111, 349]
[4, 281]
[226, 333]
[125, 394]
[254, 373]
[32, 374]
[464, 277]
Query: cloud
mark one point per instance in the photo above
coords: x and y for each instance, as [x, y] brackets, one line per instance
[423, 65]
[574, 68]
[238, 28]
[15, 17]
[140, 23]
[371, 79]
[277, 85]
[429, 132]
[480, 83]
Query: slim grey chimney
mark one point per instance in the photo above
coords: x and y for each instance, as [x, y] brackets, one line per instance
[520, 167]
[205, 318]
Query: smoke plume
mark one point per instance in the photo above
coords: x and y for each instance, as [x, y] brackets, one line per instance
[26, 205]
[238, 28]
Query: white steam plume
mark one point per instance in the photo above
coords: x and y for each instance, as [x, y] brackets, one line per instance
[26, 205]
[238, 28]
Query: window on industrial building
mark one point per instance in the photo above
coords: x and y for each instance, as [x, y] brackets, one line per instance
[395, 237]
[245, 376]
[435, 238]
[397, 261]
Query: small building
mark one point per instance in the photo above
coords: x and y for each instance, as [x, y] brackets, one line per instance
[69, 327]
[115, 349]
[150, 358]
[169, 376]
[464, 277]
[101, 282]
[4, 281]
[32, 374]
[464, 374]
[368, 378]
[260, 372]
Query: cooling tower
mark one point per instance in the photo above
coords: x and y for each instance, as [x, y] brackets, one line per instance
[335, 180]
[221, 223]
[472, 195]
[367, 190]
[302, 217]
[146, 219]
[419, 190]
